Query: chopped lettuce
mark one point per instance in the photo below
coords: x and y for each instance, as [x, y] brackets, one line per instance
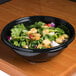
[16, 30]
[23, 43]
[37, 25]
[34, 35]
[16, 43]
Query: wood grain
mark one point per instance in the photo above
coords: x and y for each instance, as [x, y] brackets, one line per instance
[10, 69]
[70, 72]
[64, 9]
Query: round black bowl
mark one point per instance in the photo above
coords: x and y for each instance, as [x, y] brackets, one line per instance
[39, 55]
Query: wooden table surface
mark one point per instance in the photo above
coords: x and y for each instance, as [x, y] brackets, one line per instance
[57, 66]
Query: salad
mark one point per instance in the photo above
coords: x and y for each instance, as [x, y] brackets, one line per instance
[37, 36]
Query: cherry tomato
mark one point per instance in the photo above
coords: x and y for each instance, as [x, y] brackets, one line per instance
[31, 36]
[49, 25]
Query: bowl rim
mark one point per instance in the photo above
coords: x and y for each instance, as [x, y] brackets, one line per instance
[54, 49]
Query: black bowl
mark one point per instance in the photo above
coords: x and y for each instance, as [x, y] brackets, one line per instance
[39, 55]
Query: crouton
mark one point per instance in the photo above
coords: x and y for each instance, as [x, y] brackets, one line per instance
[46, 42]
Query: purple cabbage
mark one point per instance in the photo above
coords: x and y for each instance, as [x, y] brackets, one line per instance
[9, 38]
[52, 24]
